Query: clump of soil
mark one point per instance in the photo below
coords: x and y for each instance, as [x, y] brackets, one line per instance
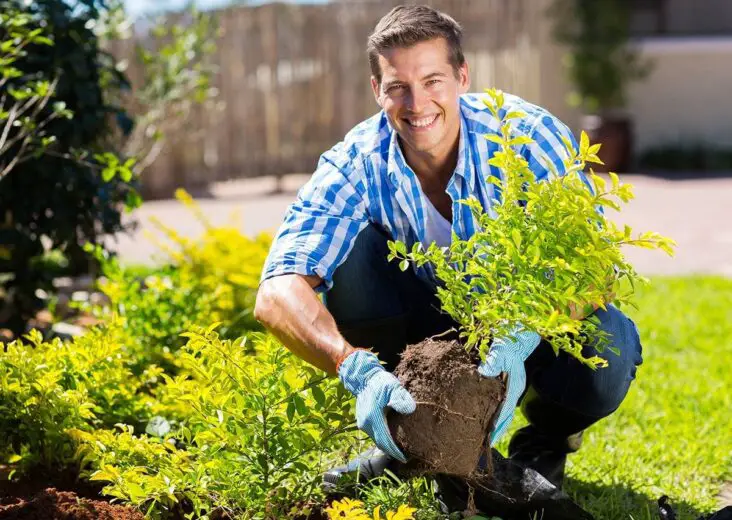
[456, 409]
[51, 504]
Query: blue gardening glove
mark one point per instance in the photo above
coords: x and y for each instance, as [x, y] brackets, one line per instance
[508, 355]
[375, 389]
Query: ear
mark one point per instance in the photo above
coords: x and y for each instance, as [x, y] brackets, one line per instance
[376, 88]
[464, 78]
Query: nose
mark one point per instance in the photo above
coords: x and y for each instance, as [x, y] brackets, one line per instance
[418, 99]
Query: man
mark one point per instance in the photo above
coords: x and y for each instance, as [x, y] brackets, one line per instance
[399, 175]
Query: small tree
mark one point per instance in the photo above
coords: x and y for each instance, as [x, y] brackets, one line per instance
[176, 74]
[79, 172]
[23, 97]
[601, 62]
[61, 185]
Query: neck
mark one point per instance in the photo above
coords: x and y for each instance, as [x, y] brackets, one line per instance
[435, 167]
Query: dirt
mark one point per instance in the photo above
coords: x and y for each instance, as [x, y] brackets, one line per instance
[52, 495]
[60, 495]
[51, 504]
[456, 409]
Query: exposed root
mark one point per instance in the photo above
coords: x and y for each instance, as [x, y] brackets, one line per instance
[435, 405]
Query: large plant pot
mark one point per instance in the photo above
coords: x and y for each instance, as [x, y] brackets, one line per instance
[615, 133]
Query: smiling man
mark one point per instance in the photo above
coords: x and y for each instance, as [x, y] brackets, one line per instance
[400, 175]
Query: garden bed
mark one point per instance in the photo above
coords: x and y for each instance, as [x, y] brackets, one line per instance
[58, 496]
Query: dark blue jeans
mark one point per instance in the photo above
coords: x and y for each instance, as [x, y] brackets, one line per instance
[378, 306]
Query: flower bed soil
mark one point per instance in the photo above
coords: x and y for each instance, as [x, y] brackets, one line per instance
[456, 409]
[61, 496]
[51, 504]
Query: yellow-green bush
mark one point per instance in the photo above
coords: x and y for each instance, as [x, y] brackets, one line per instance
[224, 263]
[212, 278]
[255, 432]
[48, 387]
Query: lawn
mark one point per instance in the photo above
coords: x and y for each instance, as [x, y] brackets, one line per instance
[672, 435]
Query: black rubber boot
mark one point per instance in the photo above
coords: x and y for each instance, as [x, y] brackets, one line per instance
[366, 466]
[513, 493]
[553, 433]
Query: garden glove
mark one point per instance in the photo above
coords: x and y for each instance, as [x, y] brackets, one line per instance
[375, 389]
[508, 355]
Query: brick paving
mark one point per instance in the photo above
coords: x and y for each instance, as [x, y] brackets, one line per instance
[695, 212]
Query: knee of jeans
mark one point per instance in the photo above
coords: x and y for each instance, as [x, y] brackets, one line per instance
[623, 352]
[624, 345]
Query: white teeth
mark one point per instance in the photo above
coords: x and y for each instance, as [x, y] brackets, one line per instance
[421, 123]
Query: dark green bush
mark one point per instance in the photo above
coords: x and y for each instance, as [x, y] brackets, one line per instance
[679, 157]
[58, 199]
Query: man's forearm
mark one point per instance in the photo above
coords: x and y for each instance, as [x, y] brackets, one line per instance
[288, 307]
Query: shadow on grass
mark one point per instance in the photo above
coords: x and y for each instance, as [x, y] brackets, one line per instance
[620, 503]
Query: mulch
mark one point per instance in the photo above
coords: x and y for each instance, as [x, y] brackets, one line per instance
[57, 496]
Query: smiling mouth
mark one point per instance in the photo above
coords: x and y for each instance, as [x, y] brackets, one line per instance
[422, 123]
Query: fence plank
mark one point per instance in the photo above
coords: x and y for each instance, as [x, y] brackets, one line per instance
[294, 78]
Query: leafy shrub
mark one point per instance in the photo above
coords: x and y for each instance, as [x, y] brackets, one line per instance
[546, 251]
[213, 278]
[390, 493]
[226, 264]
[688, 158]
[63, 162]
[47, 388]
[256, 429]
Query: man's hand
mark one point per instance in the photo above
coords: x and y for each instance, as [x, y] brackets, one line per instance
[508, 355]
[375, 389]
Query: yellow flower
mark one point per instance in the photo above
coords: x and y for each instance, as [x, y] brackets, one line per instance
[347, 508]
[402, 513]
[354, 510]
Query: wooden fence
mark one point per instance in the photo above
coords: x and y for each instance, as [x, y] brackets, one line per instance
[294, 79]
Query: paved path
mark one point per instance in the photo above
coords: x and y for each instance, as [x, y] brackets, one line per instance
[696, 213]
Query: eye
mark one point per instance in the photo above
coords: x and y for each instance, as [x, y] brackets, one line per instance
[394, 88]
[432, 82]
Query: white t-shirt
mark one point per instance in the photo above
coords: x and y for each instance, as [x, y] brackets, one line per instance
[436, 227]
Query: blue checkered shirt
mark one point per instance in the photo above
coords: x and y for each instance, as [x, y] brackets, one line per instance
[365, 178]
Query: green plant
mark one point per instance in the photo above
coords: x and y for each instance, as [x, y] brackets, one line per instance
[54, 122]
[391, 493]
[258, 426]
[547, 251]
[225, 263]
[600, 60]
[686, 157]
[47, 388]
[212, 278]
[176, 72]
[154, 309]
[24, 97]
[146, 471]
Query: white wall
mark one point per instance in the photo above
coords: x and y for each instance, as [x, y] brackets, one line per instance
[688, 94]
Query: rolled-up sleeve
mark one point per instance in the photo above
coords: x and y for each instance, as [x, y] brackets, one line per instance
[321, 226]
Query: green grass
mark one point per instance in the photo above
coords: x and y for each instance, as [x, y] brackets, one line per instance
[673, 434]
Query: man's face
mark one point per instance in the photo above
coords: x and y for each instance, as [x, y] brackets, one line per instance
[420, 93]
